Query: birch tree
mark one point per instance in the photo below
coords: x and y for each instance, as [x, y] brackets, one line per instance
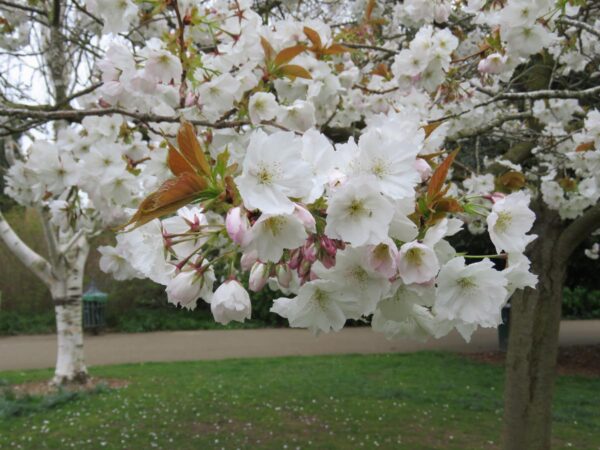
[62, 273]
[58, 168]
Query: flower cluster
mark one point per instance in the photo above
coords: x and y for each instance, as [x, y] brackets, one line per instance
[89, 174]
[339, 227]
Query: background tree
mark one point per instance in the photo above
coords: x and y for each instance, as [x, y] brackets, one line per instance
[50, 49]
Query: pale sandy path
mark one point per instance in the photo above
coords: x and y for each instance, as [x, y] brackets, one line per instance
[32, 352]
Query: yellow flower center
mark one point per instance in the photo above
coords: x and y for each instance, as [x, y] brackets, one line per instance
[264, 176]
[356, 208]
[466, 283]
[319, 298]
[274, 224]
[503, 222]
[414, 256]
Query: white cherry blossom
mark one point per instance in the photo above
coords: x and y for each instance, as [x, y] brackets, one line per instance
[273, 171]
[358, 213]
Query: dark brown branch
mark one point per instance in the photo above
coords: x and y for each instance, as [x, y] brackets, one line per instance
[182, 51]
[369, 47]
[78, 115]
[23, 7]
[577, 231]
[82, 92]
[65, 102]
[83, 10]
[56, 13]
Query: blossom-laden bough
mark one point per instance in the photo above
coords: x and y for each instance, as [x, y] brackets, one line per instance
[331, 152]
[344, 227]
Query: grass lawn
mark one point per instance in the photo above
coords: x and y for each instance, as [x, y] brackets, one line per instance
[401, 401]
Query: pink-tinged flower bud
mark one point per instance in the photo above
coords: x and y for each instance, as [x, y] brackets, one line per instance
[494, 63]
[306, 218]
[284, 275]
[230, 302]
[184, 289]
[382, 258]
[328, 246]
[238, 226]
[328, 261]
[497, 196]
[423, 168]
[259, 275]
[304, 268]
[248, 259]
[295, 259]
[441, 12]
[309, 252]
[190, 99]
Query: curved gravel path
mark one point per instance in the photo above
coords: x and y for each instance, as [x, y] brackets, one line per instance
[39, 351]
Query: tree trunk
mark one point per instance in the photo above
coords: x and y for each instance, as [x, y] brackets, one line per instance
[70, 362]
[533, 343]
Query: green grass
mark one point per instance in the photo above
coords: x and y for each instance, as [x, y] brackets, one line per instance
[412, 401]
[13, 405]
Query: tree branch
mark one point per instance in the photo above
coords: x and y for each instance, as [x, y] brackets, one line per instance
[23, 7]
[51, 239]
[47, 107]
[369, 47]
[34, 262]
[577, 231]
[542, 94]
[78, 115]
[81, 93]
[56, 13]
[492, 124]
[581, 25]
[64, 249]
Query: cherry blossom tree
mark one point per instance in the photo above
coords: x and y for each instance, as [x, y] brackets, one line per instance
[80, 176]
[334, 153]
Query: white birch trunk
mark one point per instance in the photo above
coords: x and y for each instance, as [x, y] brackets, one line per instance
[66, 294]
[36, 263]
[64, 279]
[63, 272]
[70, 363]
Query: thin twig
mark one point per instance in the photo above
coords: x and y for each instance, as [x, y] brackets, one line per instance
[23, 7]
[369, 47]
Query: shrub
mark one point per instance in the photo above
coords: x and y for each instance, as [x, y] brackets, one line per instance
[581, 303]
[15, 322]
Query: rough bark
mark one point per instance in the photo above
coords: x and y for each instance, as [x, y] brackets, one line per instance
[533, 343]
